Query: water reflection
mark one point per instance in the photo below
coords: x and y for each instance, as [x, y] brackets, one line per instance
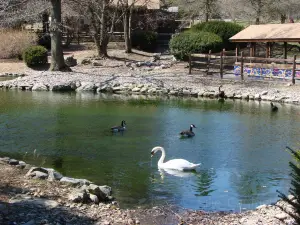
[176, 173]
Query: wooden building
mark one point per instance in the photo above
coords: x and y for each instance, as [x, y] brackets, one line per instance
[267, 35]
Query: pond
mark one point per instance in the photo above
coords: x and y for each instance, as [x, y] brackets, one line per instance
[240, 144]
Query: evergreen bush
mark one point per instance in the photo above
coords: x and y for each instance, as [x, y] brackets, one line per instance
[295, 189]
[144, 40]
[190, 42]
[35, 55]
[224, 29]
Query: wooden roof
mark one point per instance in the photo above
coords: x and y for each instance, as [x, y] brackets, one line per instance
[288, 32]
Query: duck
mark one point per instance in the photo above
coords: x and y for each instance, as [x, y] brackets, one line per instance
[174, 164]
[188, 133]
[119, 128]
[274, 108]
[221, 93]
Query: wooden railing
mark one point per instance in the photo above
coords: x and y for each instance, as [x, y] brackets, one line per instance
[225, 58]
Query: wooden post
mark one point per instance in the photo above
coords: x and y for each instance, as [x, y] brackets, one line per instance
[285, 50]
[190, 63]
[221, 64]
[294, 70]
[242, 66]
[268, 50]
[208, 62]
[236, 53]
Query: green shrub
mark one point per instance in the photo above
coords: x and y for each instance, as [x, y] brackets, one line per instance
[189, 42]
[14, 42]
[35, 55]
[224, 29]
[295, 189]
[144, 40]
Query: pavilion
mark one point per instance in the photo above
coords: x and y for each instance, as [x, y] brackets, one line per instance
[268, 33]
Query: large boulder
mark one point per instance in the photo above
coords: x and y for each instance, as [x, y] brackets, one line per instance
[39, 87]
[74, 181]
[86, 86]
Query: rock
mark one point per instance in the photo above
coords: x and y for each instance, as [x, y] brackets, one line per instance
[261, 206]
[136, 89]
[39, 87]
[53, 175]
[39, 175]
[86, 86]
[5, 159]
[264, 93]
[281, 216]
[201, 93]
[71, 61]
[144, 90]
[13, 162]
[251, 97]
[186, 92]
[165, 91]
[95, 63]
[106, 190]
[61, 87]
[31, 171]
[94, 198]
[86, 61]
[152, 91]
[245, 96]
[237, 97]
[74, 181]
[173, 92]
[163, 66]
[291, 197]
[106, 88]
[257, 97]
[79, 197]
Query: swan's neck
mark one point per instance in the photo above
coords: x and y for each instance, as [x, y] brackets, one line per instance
[162, 158]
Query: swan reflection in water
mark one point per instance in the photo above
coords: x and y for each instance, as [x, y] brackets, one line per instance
[176, 173]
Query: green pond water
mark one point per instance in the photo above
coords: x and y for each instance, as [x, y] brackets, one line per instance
[240, 144]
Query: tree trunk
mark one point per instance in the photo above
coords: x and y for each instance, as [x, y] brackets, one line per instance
[102, 51]
[206, 11]
[257, 21]
[282, 18]
[57, 57]
[103, 47]
[127, 30]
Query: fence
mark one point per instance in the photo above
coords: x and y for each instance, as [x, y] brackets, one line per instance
[242, 66]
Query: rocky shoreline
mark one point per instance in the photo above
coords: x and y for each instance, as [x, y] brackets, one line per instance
[161, 82]
[34, 195]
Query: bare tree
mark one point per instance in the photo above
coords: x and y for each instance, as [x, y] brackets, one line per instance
[281, 9]
[103, 15]
[197, 9]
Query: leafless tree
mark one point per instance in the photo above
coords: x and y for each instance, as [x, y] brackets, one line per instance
[281, 9]
[102, 15]
[197, 9]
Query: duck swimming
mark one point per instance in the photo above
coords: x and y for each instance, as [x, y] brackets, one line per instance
[175, 164]
[119, 128]
[188, 133]
[274, 108]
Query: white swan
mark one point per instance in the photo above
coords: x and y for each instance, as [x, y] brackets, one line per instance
[175, 164]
